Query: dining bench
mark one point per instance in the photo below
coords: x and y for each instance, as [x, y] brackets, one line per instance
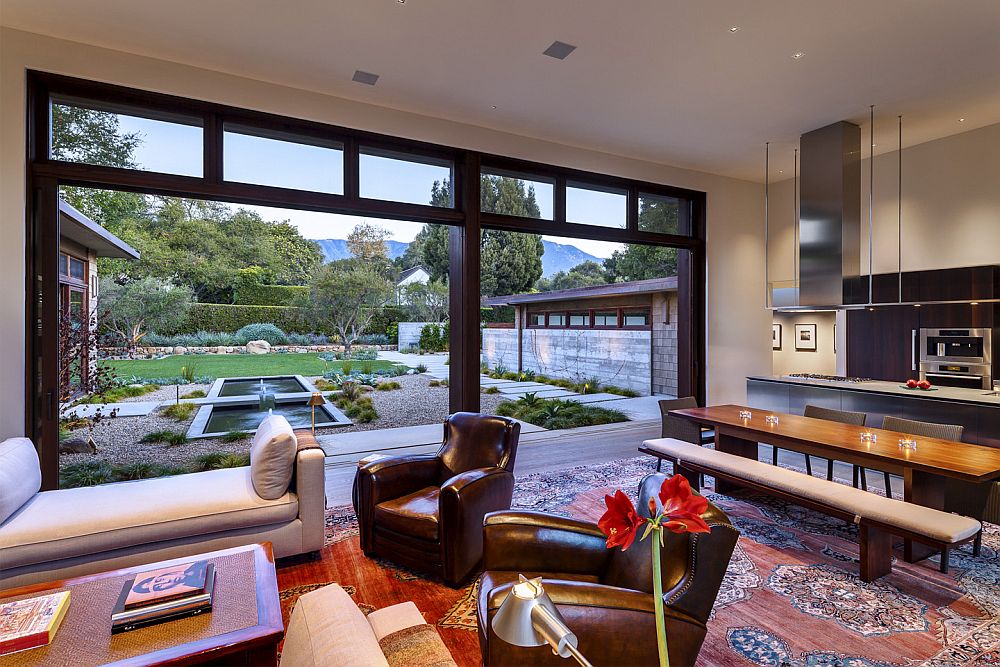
[878, 518]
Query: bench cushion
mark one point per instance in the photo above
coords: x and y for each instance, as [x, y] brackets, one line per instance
[75, 522]
[932, 523]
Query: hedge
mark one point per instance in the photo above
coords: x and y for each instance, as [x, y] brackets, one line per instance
[229, 317]
[384, 320]
[497, 314]
[269, 295]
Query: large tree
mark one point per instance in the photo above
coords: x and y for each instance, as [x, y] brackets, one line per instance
[432, 243]
[348, 294]
[367, 243]
[585, 274]
[641, 262]
[510, 262]
[428, 301]
[133, 308]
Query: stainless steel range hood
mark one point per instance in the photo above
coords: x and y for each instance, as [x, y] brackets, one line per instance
[829, 234]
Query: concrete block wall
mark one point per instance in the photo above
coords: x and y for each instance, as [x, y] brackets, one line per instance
[614, 356]
[409, 333]
[664, 348]
[500, 348]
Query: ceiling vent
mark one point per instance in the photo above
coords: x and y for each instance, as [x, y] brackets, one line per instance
[559, 50]
[366, 78]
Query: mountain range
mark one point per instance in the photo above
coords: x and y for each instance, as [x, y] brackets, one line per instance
[557, 257]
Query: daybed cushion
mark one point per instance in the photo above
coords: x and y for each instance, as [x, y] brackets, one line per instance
[20, 475]
[75, 522]
[935, 524]
[272, 455]
[328, 629]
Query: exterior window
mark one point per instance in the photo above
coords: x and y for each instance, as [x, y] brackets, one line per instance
[63, 265]
[637, 318]
[579, 319]
[606, 318]
[663, 215]
[593, 205]
[536, 320]
[402, 177]
[167, 143]
[557, 319]
[516, 193]
[76, 268]
[261, 157]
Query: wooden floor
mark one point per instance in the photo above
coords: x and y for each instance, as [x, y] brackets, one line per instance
[537, 452]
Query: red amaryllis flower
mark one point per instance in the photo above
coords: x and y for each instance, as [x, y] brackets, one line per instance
[620, 522]
[682, 509]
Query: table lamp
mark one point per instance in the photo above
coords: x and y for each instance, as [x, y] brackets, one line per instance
[315, 401]
[528, 617]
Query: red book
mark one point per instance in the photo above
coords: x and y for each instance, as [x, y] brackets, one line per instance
[167, 583]
[31, 623]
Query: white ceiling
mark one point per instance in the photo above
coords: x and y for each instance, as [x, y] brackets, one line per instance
[663, 80]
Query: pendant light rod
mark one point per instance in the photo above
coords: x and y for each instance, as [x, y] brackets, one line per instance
[767, 283]
[899, 211]
[871, 203]
[795, 221]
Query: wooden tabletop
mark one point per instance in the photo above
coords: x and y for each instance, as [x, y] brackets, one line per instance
[960, 460]
[263, 636]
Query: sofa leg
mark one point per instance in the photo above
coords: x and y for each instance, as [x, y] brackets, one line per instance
[876, 553]
[945, 557]
[977, 544]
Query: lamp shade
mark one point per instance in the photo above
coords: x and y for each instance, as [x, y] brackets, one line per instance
[528, 617]
[316, 400]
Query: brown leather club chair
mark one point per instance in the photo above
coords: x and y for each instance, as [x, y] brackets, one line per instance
[426, 511]
[605, 595]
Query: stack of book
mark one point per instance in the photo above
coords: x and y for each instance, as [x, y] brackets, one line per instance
[31, 623]
[164, 595]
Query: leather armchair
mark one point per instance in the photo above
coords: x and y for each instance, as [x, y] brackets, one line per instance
[605, 595]
[426, 512]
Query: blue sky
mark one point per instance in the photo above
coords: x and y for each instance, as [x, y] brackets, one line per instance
[177, 149]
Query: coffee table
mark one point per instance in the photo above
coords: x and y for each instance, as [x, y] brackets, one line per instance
[244, 627]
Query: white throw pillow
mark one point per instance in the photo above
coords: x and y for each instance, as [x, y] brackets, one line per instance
[272, 456]
[20, 475]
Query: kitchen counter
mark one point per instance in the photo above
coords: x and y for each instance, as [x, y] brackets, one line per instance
[977, 396]
[974, 409]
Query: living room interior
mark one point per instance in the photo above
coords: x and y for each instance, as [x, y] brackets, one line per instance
[437, 333]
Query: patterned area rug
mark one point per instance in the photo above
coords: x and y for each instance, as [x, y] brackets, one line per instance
[791, 596]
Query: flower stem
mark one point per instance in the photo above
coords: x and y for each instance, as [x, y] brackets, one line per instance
[661, 629]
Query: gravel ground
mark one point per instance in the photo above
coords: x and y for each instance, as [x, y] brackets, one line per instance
[118, 439]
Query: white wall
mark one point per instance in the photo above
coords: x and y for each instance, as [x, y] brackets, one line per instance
[822, 360]
[737, 327]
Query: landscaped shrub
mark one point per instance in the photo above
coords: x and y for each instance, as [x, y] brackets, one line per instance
[421, 368]
[386, 320]
[165, 437]
[217, 460]
[437, 383]
[86, 473]
[164, 381]
[308, 339]
[188, 372]
[621, 391]
[503, 314]
[262, 331]
[555, 414]
[230, 317]
[372, 339]
[236, 436]
[197, 393]
[269, 295]
[118, 393]
[179, 411]
[491, 390]
[434, 337]
[389, 385]
[346, 367]
[367, 367]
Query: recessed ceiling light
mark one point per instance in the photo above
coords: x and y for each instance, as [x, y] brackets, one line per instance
[366, 78]
[493, 106]
[559, 50]
[781, 171]
[797, 55]
[734, 28]
[961, 120]
[402, 2]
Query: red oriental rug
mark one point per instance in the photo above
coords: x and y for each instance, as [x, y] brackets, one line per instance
[791, 597]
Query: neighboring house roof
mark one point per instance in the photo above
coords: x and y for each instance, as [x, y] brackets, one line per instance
[594, 292]
[410, 272]
[77, 227]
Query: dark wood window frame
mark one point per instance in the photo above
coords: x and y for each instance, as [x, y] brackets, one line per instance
[45, 175]
[620, 312]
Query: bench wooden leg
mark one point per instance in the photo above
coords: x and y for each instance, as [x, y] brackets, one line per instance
[659, 462]
[888, 485]
[977, 545]
[809, 466]
[876, 553]
[694, 479]
[945, 554]
[774, 455]
[829, 470]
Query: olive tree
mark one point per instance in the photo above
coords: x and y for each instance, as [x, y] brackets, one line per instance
[347, 294]
[132, 309]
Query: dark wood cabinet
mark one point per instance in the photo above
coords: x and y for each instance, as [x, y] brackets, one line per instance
[880, 342]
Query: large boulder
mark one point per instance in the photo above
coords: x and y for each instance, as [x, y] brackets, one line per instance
[180, 349]
[258, 347]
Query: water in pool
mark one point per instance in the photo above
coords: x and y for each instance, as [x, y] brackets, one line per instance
[248, 417]
[272, 385]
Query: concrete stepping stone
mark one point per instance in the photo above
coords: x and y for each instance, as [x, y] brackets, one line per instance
[595, 398]
[131, 409]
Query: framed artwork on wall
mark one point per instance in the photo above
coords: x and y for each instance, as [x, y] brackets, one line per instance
[775, 336]
[805, 337]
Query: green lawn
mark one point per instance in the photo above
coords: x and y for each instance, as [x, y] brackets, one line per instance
[235, 365]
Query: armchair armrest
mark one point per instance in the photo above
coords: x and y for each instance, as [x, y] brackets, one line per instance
[465, 500]
[309, 485]
[554, 544]
[389, 478]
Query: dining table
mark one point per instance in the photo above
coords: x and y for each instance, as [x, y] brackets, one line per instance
[944, 474]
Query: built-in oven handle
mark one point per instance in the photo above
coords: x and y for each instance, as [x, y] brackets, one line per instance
[953, 375]
[913, 349]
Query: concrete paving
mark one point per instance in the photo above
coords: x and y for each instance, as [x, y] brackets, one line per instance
[595, 398]
[356, 442]
[638, 409]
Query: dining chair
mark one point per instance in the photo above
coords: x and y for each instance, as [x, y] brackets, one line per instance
[911, 427]
[681, 429]
[829, 414]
